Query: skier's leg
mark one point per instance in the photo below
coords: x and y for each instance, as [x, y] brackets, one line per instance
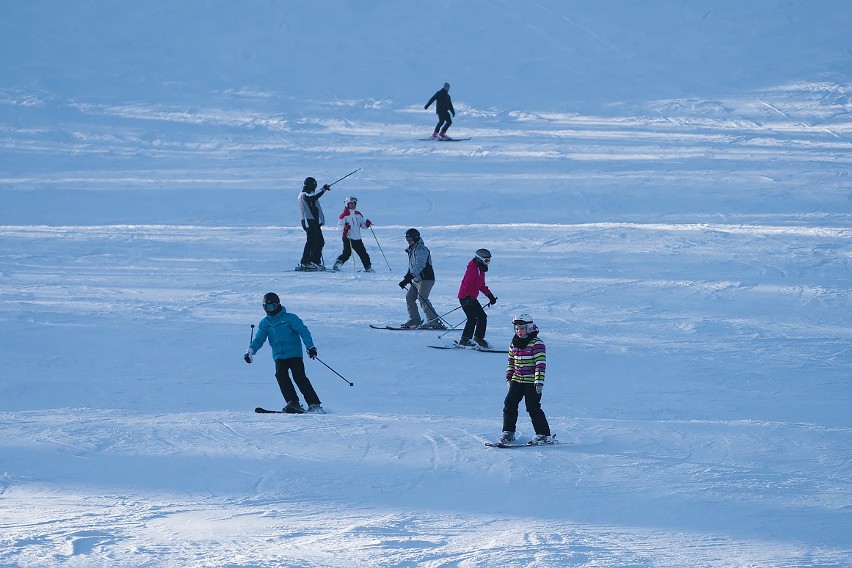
[447, 123]
[297, 365]
[411, 304]
[440, 123]
[284, 382]
[311, 245]
[306, 253]
[470, 325]
[347, 251]
[481, 321]
[425, 288]
[358, 245]
[319, 242]
[510, 406]
[533, 403]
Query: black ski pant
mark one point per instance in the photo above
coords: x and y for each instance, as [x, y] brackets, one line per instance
[445, 120]
[296, 366]
[477, 320]
[314, 244]
[358, 246]
[526, 391]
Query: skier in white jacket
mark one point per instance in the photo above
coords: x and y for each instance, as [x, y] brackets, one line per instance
[351, 221]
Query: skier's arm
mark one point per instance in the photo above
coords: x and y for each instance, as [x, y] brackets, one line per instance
[432, 100]
[259, 337]
[299, 327]
[539, 359]
[420, 257]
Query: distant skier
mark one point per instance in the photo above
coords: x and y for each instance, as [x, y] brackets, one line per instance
[352, 221]
[421, 276]
[525, 379]
[313, 219]
[444, 107]
[472, 284]
[286, 333]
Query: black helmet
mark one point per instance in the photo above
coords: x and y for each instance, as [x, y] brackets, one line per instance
[271, 303]
[310, 183]
[483, 254]
[413, 234]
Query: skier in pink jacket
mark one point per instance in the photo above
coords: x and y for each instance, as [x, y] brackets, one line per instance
[471, 285]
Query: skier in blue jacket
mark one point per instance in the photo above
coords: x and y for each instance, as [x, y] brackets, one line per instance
[286, 333]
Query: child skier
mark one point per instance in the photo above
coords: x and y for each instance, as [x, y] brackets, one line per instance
[286, 333]
[472, 284]
[352, 221]
[525, 379]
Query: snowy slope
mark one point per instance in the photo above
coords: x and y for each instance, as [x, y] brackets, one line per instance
[664, 187]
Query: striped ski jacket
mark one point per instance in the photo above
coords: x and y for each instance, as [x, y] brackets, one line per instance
[527, 364]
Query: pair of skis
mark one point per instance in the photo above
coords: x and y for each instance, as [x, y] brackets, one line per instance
[531, 444]
[453, 345]
[447, 139]
[261, 410]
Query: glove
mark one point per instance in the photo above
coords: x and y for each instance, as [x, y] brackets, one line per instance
[346, 228]
[249, 356]
[539, 386]
[368, 223]
[491, 300]
[326, 187]
[312, 352]
[405, 281]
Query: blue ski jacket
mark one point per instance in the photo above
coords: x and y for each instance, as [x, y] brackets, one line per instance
[286, 333]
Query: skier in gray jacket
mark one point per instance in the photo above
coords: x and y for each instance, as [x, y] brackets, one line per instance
[421, 276]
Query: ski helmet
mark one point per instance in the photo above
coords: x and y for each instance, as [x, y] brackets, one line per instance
[310, 184]
[526, 321]
[483, 255]
[350, 199]
[271, 303]
[412, 234]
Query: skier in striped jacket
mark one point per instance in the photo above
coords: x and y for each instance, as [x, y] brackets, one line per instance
[525, 379]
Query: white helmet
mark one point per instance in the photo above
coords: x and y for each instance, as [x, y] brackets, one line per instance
[350, 199]
[526, 321]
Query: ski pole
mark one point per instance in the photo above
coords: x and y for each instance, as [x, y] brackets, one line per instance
[335, 372]
[449, 329]
[344, 177]
[458, 324]
[441, 317]
[251, 337]
[380, 248]
[352, 254]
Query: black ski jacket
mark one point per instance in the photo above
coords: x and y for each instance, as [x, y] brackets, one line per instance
[443, 103]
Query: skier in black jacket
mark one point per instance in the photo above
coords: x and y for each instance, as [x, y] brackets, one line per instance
[444, 107]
